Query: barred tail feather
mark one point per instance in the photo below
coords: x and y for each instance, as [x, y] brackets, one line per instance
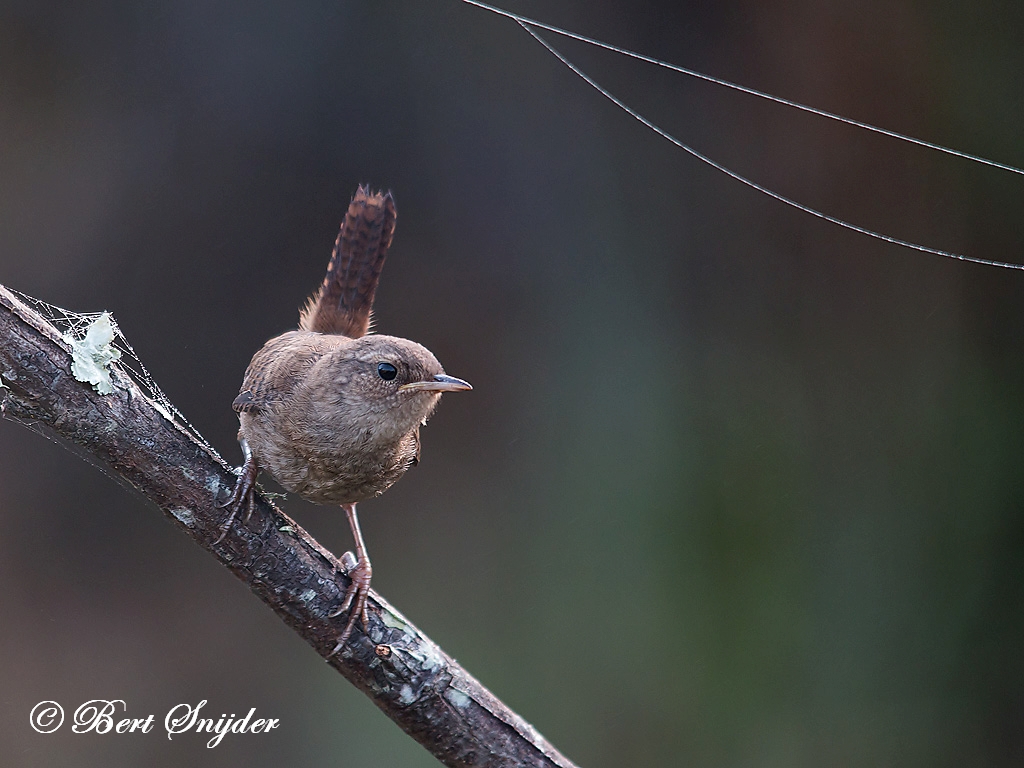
[343, 302]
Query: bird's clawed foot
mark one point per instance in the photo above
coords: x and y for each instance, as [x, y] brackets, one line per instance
[244, 493]
[359, 573]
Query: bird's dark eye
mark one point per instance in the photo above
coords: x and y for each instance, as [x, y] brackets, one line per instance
[386, 371]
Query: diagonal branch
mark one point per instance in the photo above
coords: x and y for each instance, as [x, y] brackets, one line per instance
[407, 676]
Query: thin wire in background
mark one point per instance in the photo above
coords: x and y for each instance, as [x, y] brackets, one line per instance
[531, 26]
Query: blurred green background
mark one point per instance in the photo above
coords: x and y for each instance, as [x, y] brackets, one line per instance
[735, 487]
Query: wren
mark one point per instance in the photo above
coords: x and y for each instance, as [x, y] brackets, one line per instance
[332, 411]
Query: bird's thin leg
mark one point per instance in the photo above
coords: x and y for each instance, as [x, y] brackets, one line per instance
[243, 493]
[359, 585]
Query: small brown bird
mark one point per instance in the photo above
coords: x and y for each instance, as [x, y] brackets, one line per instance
[334, 414]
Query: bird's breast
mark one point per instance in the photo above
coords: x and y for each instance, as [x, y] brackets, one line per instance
[327, 465]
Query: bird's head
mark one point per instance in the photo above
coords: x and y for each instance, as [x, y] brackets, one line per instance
[386, 385]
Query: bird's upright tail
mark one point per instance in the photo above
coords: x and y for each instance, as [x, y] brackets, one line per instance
[344, 301]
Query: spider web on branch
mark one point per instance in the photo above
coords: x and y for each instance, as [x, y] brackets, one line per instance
[75, 325]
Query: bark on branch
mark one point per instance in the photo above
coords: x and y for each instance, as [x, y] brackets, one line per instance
[411, 679]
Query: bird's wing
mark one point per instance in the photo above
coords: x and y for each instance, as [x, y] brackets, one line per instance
[277, 367]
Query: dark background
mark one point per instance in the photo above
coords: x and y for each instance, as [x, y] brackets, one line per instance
[735, 487]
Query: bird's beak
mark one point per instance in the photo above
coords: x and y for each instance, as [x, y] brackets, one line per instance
[440, 383]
